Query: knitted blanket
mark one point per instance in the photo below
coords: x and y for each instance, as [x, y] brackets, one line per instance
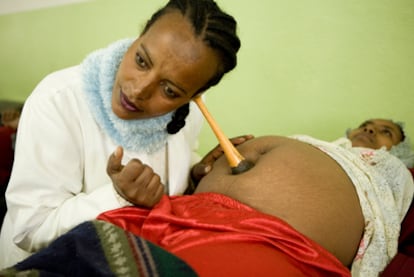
[98, 248]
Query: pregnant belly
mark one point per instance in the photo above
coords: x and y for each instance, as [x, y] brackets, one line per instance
[300, 184]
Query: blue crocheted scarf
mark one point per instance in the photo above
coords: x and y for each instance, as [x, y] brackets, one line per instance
[98, 73]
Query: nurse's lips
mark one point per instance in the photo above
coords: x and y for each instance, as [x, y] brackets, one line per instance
[127, 104]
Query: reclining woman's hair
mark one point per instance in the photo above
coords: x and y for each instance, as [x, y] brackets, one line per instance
[216, 28]
[403, 150]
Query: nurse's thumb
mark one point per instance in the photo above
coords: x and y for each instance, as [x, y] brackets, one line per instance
[114, 162]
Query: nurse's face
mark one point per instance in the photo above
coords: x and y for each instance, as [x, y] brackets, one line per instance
[162, 70]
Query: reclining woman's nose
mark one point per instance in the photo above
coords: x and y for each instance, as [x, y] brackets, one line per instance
[369, 129]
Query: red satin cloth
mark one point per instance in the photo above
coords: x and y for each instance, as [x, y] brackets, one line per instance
[7, 154]
[219, 236]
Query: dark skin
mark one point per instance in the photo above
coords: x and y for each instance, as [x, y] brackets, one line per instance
[136, 182]
[375, 133]
[164, 69]
[321, 203]
[141, 186]
[202, 168]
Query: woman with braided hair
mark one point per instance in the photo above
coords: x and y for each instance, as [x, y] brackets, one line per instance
[131, 99]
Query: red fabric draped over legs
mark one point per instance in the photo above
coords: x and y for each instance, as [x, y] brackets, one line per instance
[218, 235]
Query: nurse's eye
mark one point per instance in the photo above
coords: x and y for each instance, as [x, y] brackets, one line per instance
[169, 92]
[140, 61]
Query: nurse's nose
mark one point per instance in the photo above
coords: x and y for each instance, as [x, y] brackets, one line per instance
[143, 88]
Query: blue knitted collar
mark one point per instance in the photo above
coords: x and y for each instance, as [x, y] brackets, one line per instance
[98, 72]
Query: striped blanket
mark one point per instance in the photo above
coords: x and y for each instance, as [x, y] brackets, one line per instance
[98, 248]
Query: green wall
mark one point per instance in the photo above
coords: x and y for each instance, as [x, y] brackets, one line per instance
[314, 67]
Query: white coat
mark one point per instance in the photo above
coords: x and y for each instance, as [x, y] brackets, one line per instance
[59, 176]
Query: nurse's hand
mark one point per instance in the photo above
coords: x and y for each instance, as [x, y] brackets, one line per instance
[202, 168]
[135, 182]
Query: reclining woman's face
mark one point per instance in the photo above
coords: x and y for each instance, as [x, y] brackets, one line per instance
[376, 133]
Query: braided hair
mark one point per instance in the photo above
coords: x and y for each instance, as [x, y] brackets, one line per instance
[217, 30]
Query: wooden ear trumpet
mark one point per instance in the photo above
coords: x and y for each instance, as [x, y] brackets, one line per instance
[236, 161]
